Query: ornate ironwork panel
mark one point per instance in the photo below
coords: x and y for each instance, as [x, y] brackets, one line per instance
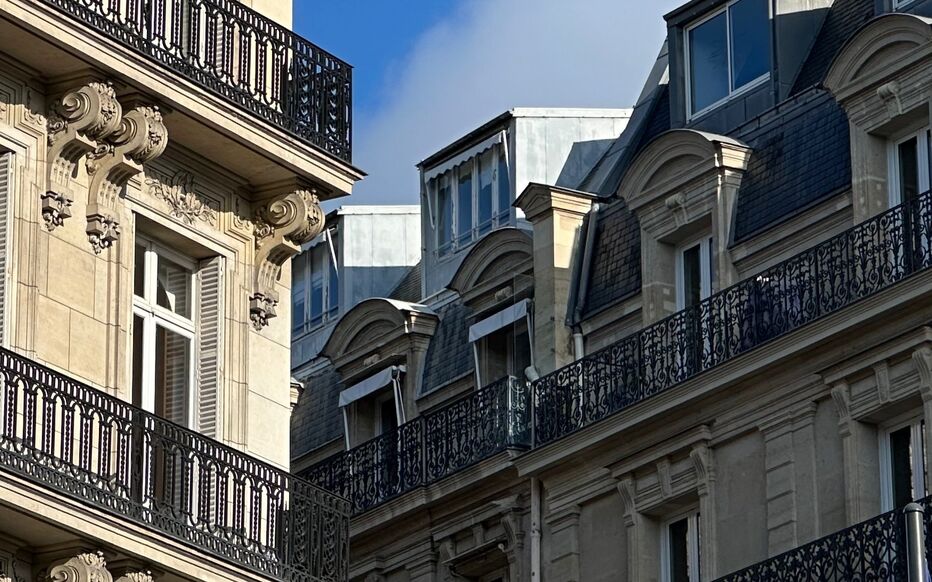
[429, 447]
[238, 54]
[871, 550]
[105, 452]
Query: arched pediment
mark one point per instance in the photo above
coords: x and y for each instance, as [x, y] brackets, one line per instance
[500, 253]
[363, 325]
[675, 157]
[878, 46]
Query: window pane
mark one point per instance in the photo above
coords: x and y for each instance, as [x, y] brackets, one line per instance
[139, 271]
[679, 550]
[493, 357]
[504, 187]
[486, 171]
[388, 416]
[444, 211]
[692, 277]
[172, 375]
[137, 360]
[464, 203]
[750, 37]
[174, 287]
[708, 62]
[316, 309]
[522, 352]
[907, 154]
[901, 469]
[298, 291]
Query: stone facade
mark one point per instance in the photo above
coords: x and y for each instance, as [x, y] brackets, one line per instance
[775, 441]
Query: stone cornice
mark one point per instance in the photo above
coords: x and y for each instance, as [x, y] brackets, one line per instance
[537, 200]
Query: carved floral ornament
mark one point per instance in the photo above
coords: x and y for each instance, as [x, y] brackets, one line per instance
[281, 226]
[178, 191]
[89, 122]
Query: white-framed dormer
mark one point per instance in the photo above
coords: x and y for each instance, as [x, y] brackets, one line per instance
[902, 450]
[682, 188]
[694, 271]
[726, 54]
[908, 165]
[680, 547]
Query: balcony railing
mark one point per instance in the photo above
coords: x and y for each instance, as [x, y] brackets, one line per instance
[430, 447]
[875, 550]
[835, 274]
[124, 461]
[237, 54]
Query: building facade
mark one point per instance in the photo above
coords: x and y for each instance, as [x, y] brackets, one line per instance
[160, 163]
[728, 371]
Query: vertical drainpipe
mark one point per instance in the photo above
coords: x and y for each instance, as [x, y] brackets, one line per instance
[579, 346]
[536, 511]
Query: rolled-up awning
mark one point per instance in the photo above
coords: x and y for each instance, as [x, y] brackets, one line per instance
[467, 154]
[501, 319]
[370, 385]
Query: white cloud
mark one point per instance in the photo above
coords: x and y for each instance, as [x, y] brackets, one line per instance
[492, 55]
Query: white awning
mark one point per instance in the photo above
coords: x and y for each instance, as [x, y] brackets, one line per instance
[450, 163]
[501, 319]
[369, 385]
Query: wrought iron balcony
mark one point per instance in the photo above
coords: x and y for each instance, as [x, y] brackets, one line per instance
[851, 266]
[101, 451]
[835, 274]
[239, 55]
[875, 549]
[430, 447]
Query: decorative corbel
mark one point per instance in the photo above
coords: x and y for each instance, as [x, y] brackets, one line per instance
[701, 456]
[86, 567]
[142, 137]
[922, 359]
[136, 576]
[76, 122]
[282, 225]
[889, 93]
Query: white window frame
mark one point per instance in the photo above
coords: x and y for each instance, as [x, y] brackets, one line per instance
[693, 544]
[915, 422]
[154, 315]
[732, 93]
[705, 268]
[898, 4]
[445, 248]
[893, 163]
[327, 260]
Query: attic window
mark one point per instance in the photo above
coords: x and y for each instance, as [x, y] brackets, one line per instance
[727, 53]
[897, 4]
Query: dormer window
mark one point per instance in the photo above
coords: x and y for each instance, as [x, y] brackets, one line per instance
[727, 53]
[471, 199]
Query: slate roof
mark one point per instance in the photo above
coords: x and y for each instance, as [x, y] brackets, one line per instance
[316, 419]
[842, 21]
[801, 156]
[450, 354]
[409, 288]
[615, 272]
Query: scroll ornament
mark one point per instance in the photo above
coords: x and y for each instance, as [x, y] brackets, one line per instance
[282, 225]
[142, 137]
[76, 124]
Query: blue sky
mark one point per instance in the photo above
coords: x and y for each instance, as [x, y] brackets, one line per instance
[428, 71]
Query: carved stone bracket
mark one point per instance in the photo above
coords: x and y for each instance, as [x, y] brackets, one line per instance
[141, 138]
[87, 567]
[76, 123]
[282, 225]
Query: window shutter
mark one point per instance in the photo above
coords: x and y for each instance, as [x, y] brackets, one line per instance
[6, 159]
[209, 344]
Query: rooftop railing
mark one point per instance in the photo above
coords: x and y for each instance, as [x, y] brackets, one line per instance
[106, 453]
[239, 55]
[856, 264]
